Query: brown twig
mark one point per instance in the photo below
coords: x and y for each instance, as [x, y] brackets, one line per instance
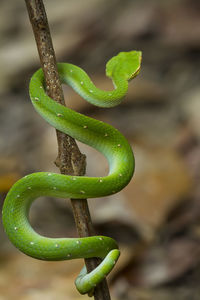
[70, 160]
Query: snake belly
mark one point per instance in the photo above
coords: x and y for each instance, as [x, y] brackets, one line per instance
[101, 136]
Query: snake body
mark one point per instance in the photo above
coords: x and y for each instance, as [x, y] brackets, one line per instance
[103, 137]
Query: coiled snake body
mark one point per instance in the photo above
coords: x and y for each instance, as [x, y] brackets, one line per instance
[106, 139]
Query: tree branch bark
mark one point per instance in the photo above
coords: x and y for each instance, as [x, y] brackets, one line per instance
[70, 160]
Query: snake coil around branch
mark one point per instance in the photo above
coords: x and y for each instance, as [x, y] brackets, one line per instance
[101, 136]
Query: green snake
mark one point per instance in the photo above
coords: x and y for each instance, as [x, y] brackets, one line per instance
[101, 136]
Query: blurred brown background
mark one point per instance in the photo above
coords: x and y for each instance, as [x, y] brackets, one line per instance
[156, 219]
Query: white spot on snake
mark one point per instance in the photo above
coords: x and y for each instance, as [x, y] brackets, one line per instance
[120, 174]
[91, 91]
[78, 242]
[71, 71]
[54, 187]
[57, 246]
[15, 228]
[32, 243]
[68, 255]
[73, 178]
[85, 126]
[101, 239]
[82, 192]
[119, 145]
[114, 262]
[105, 134]
[29, 187]
[59, 115]
[100, 180]
[18, 196]
[36, 99]
[49, 174]
[41, 87]
[82, 82]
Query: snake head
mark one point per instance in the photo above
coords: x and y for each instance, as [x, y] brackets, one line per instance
[125, 65]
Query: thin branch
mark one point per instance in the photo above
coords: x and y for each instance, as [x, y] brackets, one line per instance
[70, 160]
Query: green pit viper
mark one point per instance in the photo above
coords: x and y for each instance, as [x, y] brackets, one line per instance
[101, 136]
